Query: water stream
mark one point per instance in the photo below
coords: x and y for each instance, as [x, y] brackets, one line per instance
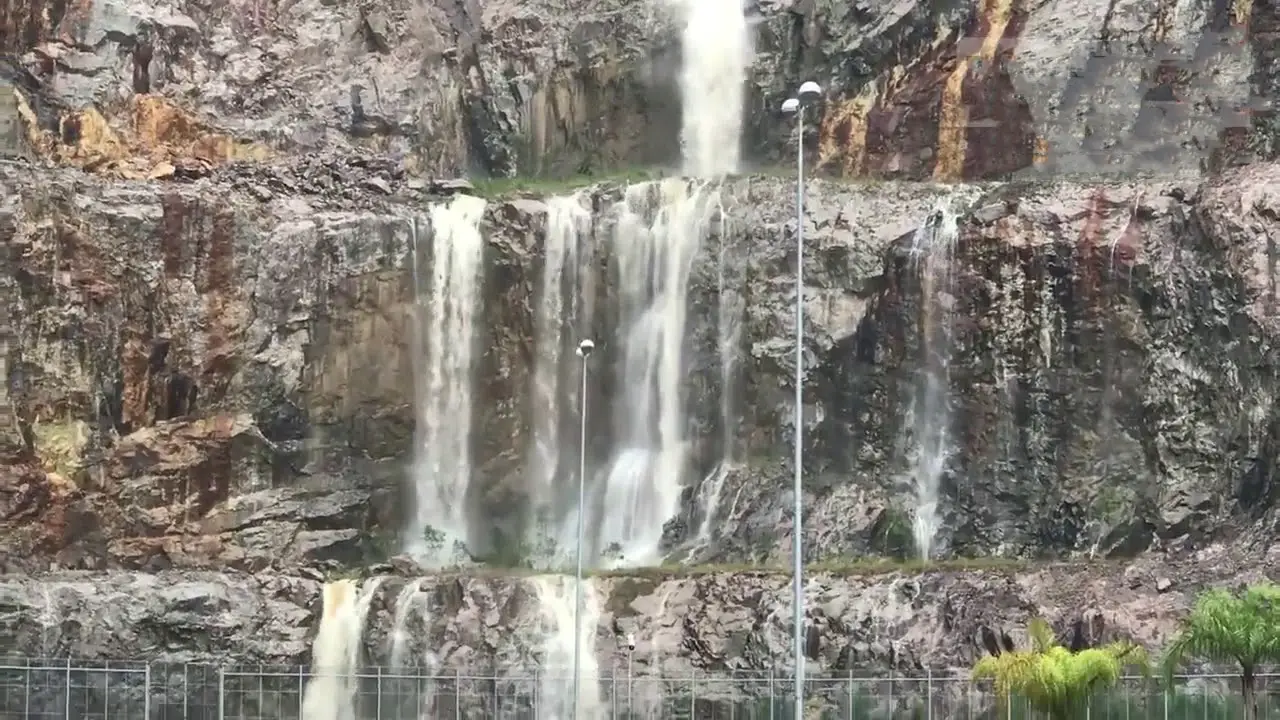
[555, 595]
[929, 418]
[330, 694]
[448, 315]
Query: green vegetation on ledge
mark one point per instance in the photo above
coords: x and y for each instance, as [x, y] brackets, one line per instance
[500, 187]
[851, 567]
[543, 186]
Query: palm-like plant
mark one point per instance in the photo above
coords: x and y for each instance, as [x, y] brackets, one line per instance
[1239, 628]
[1053, 679]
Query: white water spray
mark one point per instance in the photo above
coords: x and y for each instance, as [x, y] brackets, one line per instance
[933, 247]
[655, 257]
[399, 641]
[717, 52]
[729, 327]
[49, 622]
[660, 227]
[556, 597]
[335, 654]
[448, 314]
[562, 286]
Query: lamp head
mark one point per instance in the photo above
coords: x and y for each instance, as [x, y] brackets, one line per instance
[790, 106]
[809, 93]
[631, 641]
[585, 347]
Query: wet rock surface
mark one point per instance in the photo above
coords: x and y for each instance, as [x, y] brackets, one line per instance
[710, 625]
[203, 378]
[915, 90]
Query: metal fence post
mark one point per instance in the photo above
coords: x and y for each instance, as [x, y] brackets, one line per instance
[893, 704]
[457, 695]
[302, 691]
[222, 694]
[146, 692]
[68, 716]
[851, 694]
[693, 694]
[379, 691]
[771, 698]
[928, 692]
[26, 698]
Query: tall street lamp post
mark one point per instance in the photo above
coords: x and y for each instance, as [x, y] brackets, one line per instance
[808, 95]
[584, 351]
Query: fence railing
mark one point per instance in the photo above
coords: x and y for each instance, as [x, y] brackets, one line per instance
[39, 690]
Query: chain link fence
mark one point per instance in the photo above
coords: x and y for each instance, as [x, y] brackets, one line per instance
[38, 690]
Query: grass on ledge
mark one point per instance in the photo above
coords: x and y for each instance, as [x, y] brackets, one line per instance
[500, 187]
[852, 567]
[543, 186]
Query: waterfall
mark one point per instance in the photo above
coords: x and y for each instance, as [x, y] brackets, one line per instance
[660, 227]
[929, 418]
[659, 230]
[448, 311]
[335, 654]
[568, 227]
[729, 330]
[399, 639]
[716, 45]
[556, 597]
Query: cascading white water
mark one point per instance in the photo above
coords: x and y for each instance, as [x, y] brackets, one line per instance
[933, 247]
[335, 654]
[49, 621]
[729, 329]
[398, 641]
[556, 596]
[568, 227]
[660, 227]
[413, 696]
[448, 307]
[654, 260]
[716, 46]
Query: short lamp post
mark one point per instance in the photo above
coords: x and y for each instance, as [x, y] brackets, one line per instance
[584, 351]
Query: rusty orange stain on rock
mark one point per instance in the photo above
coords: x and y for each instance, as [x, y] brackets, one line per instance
[170, 231]
[951, 114]
[842, 133]
[25, 24]
[1040, 153]
[149, 140]
[1241, 13]
[134, 367]
[1085, 253]
[219, 358]
[953, 122]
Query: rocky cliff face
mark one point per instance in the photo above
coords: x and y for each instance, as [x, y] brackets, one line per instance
[207, 379]
[211, 217]
[915, 89]
[687, 630]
